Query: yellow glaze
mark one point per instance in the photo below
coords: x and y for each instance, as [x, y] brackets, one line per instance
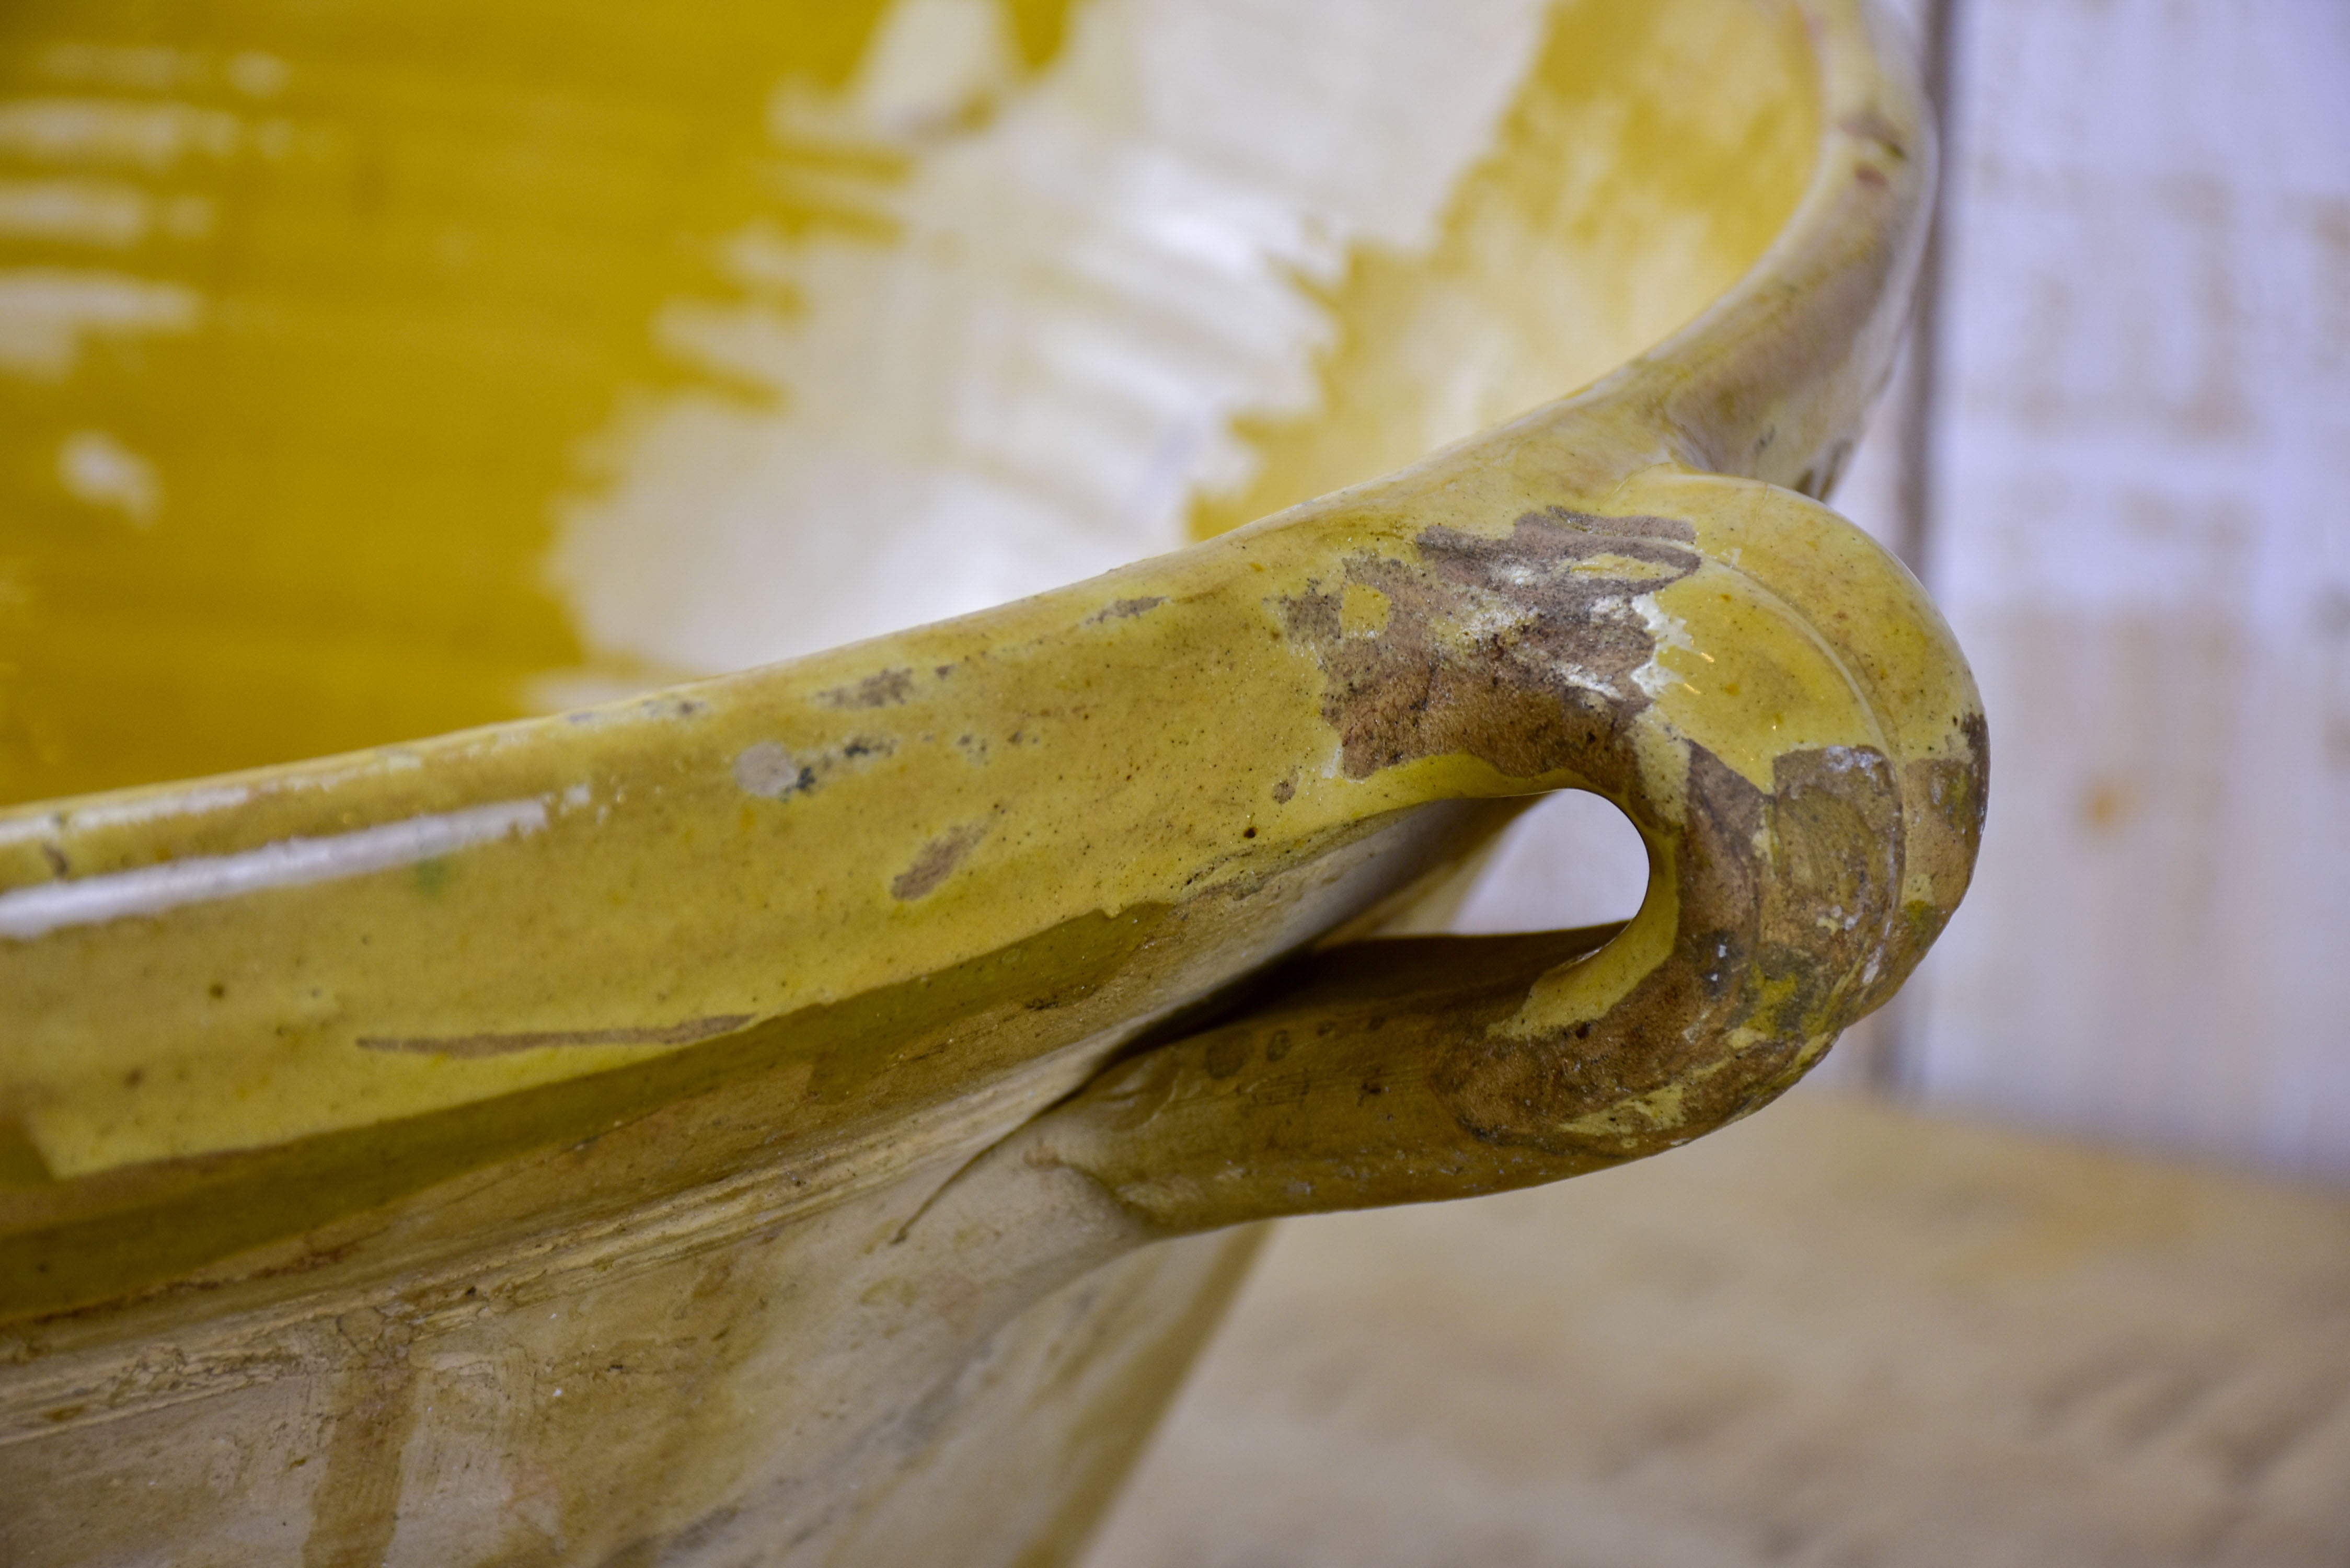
[397, 296]
[784, 1066]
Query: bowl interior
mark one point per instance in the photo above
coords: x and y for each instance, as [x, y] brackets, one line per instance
[367, 371]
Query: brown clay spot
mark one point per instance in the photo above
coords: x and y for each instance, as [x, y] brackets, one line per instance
[877, 690]
[1123, 609]
[938, 857]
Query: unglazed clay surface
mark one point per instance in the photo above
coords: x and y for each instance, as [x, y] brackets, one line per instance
[671, 1130]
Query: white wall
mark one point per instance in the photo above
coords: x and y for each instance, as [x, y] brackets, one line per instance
[2141, 530]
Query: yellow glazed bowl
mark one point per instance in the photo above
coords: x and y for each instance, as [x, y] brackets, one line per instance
[801, 1114]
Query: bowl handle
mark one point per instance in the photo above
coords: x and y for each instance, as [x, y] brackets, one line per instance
[1808, 774]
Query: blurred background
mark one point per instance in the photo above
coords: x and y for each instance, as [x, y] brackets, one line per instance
[1874, 1325]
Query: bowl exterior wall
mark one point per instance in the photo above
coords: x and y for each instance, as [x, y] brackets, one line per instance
[796, 1395]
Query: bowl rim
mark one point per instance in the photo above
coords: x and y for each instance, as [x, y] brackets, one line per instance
[1767, 380]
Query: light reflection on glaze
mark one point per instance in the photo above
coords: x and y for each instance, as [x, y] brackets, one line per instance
[29, 912]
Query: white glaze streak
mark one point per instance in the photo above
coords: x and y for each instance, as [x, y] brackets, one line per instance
[26, 913]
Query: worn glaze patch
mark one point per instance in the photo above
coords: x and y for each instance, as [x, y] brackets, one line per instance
[1522, 650]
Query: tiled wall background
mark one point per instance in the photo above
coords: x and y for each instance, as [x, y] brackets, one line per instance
[2124, 472]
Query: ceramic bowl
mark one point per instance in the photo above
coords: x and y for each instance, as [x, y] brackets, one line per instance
[761, 1084]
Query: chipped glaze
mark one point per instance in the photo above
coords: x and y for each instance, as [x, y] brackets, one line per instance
[727, 1121]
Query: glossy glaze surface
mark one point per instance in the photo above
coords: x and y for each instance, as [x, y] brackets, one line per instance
[323, 1080]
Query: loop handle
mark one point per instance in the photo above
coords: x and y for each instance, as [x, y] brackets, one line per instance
[1802, 750]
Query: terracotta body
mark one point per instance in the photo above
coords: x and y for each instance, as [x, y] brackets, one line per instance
[798, 1115]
